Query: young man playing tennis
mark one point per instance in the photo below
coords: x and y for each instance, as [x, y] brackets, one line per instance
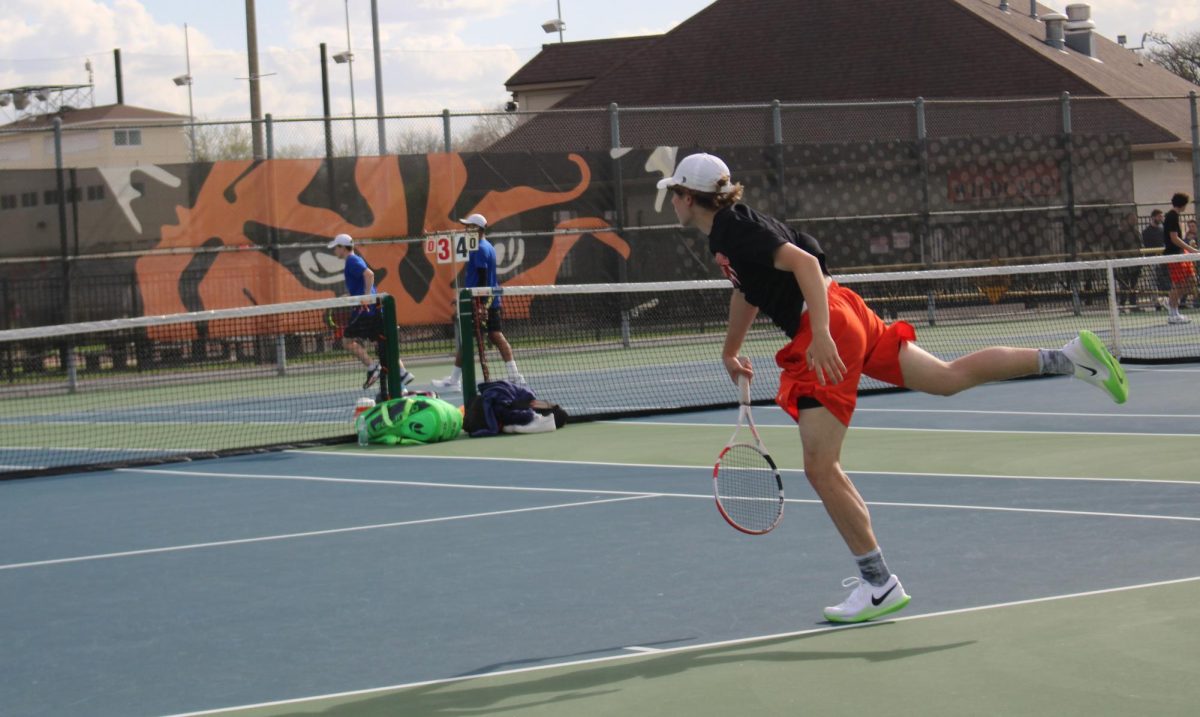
[481, 271]
[366, 321]
[1183, 274]
[834, 340]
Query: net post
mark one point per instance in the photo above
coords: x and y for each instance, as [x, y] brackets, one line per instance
[466, 332]
[1113, 309]
[391, 347]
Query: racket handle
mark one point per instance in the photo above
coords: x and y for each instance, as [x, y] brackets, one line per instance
[743, 390]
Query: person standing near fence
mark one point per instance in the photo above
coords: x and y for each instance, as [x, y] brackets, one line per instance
[1183, 274]
[833, 339]
[1128, 277]
[366, 321]
[481, 271]
[1152, 238]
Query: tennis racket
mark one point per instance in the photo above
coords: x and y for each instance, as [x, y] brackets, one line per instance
[746, 483]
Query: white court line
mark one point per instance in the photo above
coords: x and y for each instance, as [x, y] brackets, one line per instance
[676, 466]
[643, 650]
[743, 641]
[1162, 370]
[309, 534]
[660, 494]
[860, 409]
[792, 427]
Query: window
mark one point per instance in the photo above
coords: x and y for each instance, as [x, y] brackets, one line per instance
[50, 196]
[8, 201]
[127, 137]
[29, 199]
[95, 193]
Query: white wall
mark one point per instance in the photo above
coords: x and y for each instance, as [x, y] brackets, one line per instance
[93, 147]
[1155, 180]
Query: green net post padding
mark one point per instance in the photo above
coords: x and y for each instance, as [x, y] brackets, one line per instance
[391, 347]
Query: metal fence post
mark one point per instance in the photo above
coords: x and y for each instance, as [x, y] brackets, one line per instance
[1069, 185]
[68, 350]
[447, 143]
[273, 237]
[270, 125]
[926, 230]
[777, 140]
[614, 130]
[1195, 150]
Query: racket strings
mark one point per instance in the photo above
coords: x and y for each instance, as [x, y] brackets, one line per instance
[748, 489]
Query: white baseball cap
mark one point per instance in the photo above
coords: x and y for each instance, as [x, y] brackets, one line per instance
[340, 240]
[700, 172]
[475, 219]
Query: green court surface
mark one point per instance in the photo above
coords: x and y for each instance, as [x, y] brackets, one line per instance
[1127, 652]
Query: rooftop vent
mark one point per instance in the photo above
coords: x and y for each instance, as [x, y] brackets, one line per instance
[1054, 29]
[1079, 35]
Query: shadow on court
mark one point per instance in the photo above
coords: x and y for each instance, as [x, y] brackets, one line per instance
[562, 688]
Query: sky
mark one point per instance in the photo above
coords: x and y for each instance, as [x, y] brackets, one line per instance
[436, 54]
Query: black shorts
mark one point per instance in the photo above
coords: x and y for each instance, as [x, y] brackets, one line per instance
[364, 325]
[494, 320]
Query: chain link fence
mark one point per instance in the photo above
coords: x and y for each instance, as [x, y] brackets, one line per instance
[191, 210]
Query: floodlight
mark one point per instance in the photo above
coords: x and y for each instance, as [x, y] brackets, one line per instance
[20, 100]
[42, 95]
[182, 80]
[554, 25]
[343, 57]
[5, 99]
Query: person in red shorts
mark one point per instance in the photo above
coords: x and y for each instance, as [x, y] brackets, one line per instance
[834, 339]
[1183, 274]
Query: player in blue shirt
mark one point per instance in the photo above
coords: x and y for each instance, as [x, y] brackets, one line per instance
[481, 271]
[366, 321]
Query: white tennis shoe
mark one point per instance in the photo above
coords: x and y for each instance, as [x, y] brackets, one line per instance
[448, 384]
[1178, 319]
[867, 601]
[1095, 365]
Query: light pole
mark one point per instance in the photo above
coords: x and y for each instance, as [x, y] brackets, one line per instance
[347, 58]
[186, 79]
[378, 79]
[557, 24]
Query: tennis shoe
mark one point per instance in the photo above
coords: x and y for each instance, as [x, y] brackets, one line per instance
[448, 384]
[407, 378]
[1178, 319]
[867, 601]
[372, 376]
[1095, 365]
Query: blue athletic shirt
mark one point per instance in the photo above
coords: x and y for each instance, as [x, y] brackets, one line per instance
[355, 283]
[481, 268]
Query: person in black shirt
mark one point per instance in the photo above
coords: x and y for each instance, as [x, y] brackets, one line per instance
[1152, 238]
[834, 338]
[1183, 274]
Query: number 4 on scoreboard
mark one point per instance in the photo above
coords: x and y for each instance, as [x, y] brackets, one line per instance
[446, 249]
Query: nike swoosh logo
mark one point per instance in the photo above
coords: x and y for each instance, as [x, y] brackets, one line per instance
[1089, 368]
[877, 600]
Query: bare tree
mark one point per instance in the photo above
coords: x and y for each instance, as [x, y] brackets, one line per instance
[1181, 55]
[222, 141]
[413, 140]
[487, 130]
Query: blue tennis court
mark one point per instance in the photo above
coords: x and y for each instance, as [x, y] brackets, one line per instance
[1048, 538]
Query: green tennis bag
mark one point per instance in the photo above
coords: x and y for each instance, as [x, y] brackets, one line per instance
[409, 421]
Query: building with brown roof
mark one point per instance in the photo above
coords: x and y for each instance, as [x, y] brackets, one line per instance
[798, 51]
[105, 136]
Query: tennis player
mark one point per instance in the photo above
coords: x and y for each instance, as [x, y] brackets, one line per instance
[1183, 274]
[833, 340]
[481, 271]
[366, 321]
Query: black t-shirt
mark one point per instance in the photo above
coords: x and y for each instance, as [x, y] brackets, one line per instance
[1171, 224]
[744, 243]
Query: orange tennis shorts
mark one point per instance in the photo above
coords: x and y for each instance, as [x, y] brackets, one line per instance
[1182, 272]
[865, 343]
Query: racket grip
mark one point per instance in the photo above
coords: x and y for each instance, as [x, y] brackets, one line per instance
[743, 390]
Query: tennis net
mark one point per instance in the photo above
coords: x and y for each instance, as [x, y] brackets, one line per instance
[611, 350]
[152, 389]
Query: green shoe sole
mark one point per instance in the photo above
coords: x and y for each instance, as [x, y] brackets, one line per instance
[873, 614]
[1116, 385]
